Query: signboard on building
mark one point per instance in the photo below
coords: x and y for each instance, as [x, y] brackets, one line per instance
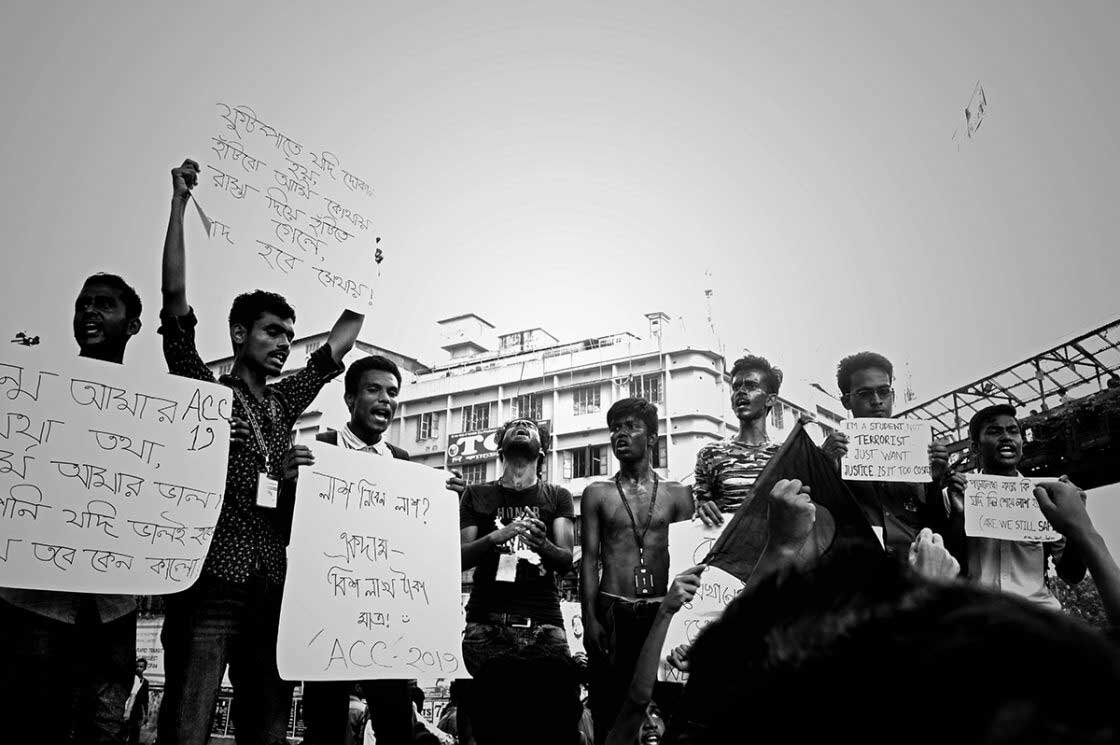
[475, 447]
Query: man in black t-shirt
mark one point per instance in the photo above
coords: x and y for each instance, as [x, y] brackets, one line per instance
[517, 532]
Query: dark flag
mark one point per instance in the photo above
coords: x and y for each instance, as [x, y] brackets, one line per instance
[839, 520]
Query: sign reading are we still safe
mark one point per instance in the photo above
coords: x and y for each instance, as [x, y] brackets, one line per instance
[373, 585]
[1004, 507]
[111, 478]
[886, 450]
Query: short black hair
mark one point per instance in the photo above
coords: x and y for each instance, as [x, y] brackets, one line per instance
[852, 364]
[790, 646]
[249, 306]
[358, 368]
[638, 407]
[132, 304]
[771, 376]
[985, 415]
[417, 695]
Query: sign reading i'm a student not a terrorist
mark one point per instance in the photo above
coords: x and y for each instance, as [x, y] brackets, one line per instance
[886, 450]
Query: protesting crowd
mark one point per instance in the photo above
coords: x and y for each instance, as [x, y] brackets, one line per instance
[866, 611]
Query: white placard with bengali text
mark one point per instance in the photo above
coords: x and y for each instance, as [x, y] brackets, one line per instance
[373, 585]
[689, 543]
[286, 210]
[886, 450]
[1005, 508]
[111, 478]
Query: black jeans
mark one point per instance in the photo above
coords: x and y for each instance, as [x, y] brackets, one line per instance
[627, 623]
[326, 707]
[213, 624]
[63, 680]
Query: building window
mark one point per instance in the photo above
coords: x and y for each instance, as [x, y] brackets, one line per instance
[586, 461]
[777, 416]
[427, 426]
[473, 473]
[647, 387]
[475, 417]
[585, 400]
[527, 406]
[660, 454]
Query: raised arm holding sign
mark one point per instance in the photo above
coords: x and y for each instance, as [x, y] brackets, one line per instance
[245, 567]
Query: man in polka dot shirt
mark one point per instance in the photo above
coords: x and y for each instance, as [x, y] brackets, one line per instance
[231, 615]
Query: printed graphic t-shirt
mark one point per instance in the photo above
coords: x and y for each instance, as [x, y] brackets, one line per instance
[533, 592]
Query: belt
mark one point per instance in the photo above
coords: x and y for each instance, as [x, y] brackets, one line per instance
[512, 620]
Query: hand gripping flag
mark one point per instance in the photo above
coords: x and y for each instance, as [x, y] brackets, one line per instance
[839, 522]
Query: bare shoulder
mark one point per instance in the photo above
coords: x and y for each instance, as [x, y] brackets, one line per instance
[597, 490]
[678, 494]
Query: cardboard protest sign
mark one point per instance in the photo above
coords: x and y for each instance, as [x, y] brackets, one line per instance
[111, 478]
[286, 210]
[373, 585]
[1004, 507]
[886, 450]
[689, 544]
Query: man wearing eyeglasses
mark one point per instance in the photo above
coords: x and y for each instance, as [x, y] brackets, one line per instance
[897, 511]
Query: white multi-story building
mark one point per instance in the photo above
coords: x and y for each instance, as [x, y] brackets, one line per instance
[448, 412]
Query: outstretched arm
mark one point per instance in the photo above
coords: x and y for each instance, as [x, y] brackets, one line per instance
[1063, 505]
[790, 518]
[344, 334]
[183, 179]
[630, 717]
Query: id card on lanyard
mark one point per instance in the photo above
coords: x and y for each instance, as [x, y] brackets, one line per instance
[643, 577]
[267, 487]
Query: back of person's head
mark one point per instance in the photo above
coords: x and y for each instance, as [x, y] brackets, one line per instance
[859, 650]
[359, 367]
[128, 295]
[530, 696]
[860, 361]
[639, 408]
[417, 695]
[249, 306]
[771, 377]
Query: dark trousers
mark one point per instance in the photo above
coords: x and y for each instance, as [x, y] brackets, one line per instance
[64, 682]
[493, 710]
[213, 624]
[627, 623]
[326, 707]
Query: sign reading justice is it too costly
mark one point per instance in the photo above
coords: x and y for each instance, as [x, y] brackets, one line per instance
[886, 450]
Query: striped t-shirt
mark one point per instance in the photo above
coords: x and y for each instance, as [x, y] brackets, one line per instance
[726, 471]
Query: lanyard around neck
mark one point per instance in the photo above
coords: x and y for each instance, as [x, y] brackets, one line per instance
[639, 538]
[255, 426]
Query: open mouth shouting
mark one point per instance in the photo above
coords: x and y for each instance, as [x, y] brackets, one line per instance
[1007, 450]
[89, 328]
[380, 415]
[278, 358]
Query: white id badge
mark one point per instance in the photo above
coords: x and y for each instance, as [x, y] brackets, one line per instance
[507, 568]
[266, 491]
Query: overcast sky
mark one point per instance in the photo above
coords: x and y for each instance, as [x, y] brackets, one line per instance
[575, 165]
